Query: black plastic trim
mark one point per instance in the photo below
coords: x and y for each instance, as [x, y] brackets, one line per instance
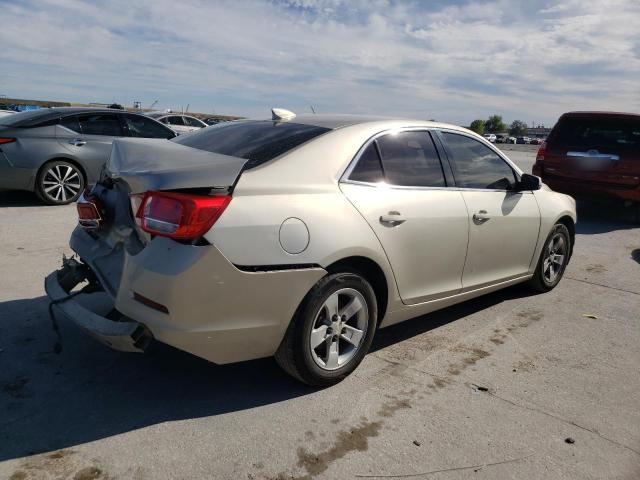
[276, 268]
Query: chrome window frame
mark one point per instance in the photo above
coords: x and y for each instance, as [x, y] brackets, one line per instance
[483, 141]
[344, 178]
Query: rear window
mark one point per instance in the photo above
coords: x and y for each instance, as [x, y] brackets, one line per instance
[256, 140]
[597, 132]
[30, 118]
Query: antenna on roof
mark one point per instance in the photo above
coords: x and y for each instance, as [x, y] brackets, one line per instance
[280, 114]
[312, 109]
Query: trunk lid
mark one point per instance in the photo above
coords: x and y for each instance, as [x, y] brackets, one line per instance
[150, 164]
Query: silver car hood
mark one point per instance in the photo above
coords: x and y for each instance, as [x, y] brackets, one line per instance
[152, 164]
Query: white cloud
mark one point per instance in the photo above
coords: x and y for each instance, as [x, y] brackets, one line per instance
[450, 62]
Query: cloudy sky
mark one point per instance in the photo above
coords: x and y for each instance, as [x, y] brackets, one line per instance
[449, 60]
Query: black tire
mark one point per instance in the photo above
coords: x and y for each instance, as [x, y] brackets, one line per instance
[540, 281]
[295, 353]
[70, 189]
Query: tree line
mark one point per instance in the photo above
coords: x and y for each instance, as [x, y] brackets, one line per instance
[494, 124]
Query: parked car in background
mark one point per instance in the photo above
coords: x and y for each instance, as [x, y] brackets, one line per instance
[502, 138]
[512, 140]
[523, 140]
[593, 154]
[213, 121]
[490, 137]
[536, 141]
[332, 226]
[177, 122]
[55, 152]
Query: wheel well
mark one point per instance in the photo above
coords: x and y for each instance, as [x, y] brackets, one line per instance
[372, 272]
[567, 221]
[77, 164]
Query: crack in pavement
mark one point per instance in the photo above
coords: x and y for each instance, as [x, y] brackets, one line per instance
[601, 285]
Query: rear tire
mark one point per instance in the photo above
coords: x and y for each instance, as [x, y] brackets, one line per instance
[553, 260]
[59, 182]
[339, 316]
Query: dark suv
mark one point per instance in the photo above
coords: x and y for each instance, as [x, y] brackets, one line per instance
[593, 154]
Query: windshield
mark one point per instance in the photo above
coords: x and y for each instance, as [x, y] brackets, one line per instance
[256, 140]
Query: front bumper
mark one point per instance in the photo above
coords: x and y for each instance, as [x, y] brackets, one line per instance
[122, 334]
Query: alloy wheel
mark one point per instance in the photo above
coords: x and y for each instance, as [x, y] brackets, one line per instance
[339, 329]
[61, 183]
[553, 263]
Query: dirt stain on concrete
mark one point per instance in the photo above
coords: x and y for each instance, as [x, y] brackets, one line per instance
[88, 473]
[347, 441]
[527, 317]
[354, 439]
[595, 268]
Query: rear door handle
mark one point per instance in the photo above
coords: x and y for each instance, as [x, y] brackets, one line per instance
[481, 216]
[392, 219]
[78, 142]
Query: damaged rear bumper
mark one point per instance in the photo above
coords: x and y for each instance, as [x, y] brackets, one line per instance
[121, 333]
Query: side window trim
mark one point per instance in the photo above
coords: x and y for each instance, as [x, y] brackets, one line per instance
[445, 159]
[344, 178]
[516, 173]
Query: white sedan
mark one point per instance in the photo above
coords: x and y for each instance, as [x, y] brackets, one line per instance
[177, 122]
[301, 236]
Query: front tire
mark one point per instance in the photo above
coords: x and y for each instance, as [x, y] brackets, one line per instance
[553, 260]
[331, 331]
[59, 182]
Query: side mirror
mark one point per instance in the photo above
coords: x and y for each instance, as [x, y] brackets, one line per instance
[529, 182]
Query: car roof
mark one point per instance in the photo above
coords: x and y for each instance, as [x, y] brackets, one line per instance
[33, 117]
[599, 114]
[334, 121]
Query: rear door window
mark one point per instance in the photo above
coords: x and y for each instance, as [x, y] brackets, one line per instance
[477, 166]
[175, 120]
[369, 168]
[193, 122]
[100, 124]
[71, 122]
[139, 126]
[410, 159]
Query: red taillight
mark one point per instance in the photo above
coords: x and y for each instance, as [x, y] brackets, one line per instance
[89, 209]
[541, 152]
[179, 215]
[4, 140]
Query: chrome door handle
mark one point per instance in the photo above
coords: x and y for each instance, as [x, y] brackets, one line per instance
[392, 219]
[481, 216]
[593, 154]
[77, 142]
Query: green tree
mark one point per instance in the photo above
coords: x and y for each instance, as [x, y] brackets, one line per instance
[518, 128]
[494, 124]
[477, 126]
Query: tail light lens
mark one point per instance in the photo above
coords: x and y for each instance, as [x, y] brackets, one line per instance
[178, 215]
[89, 209]
[4, 140]
[541, 152]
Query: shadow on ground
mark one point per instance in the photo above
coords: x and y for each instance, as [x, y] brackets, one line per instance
[10, 198]
[604, 216]
[88, 392]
